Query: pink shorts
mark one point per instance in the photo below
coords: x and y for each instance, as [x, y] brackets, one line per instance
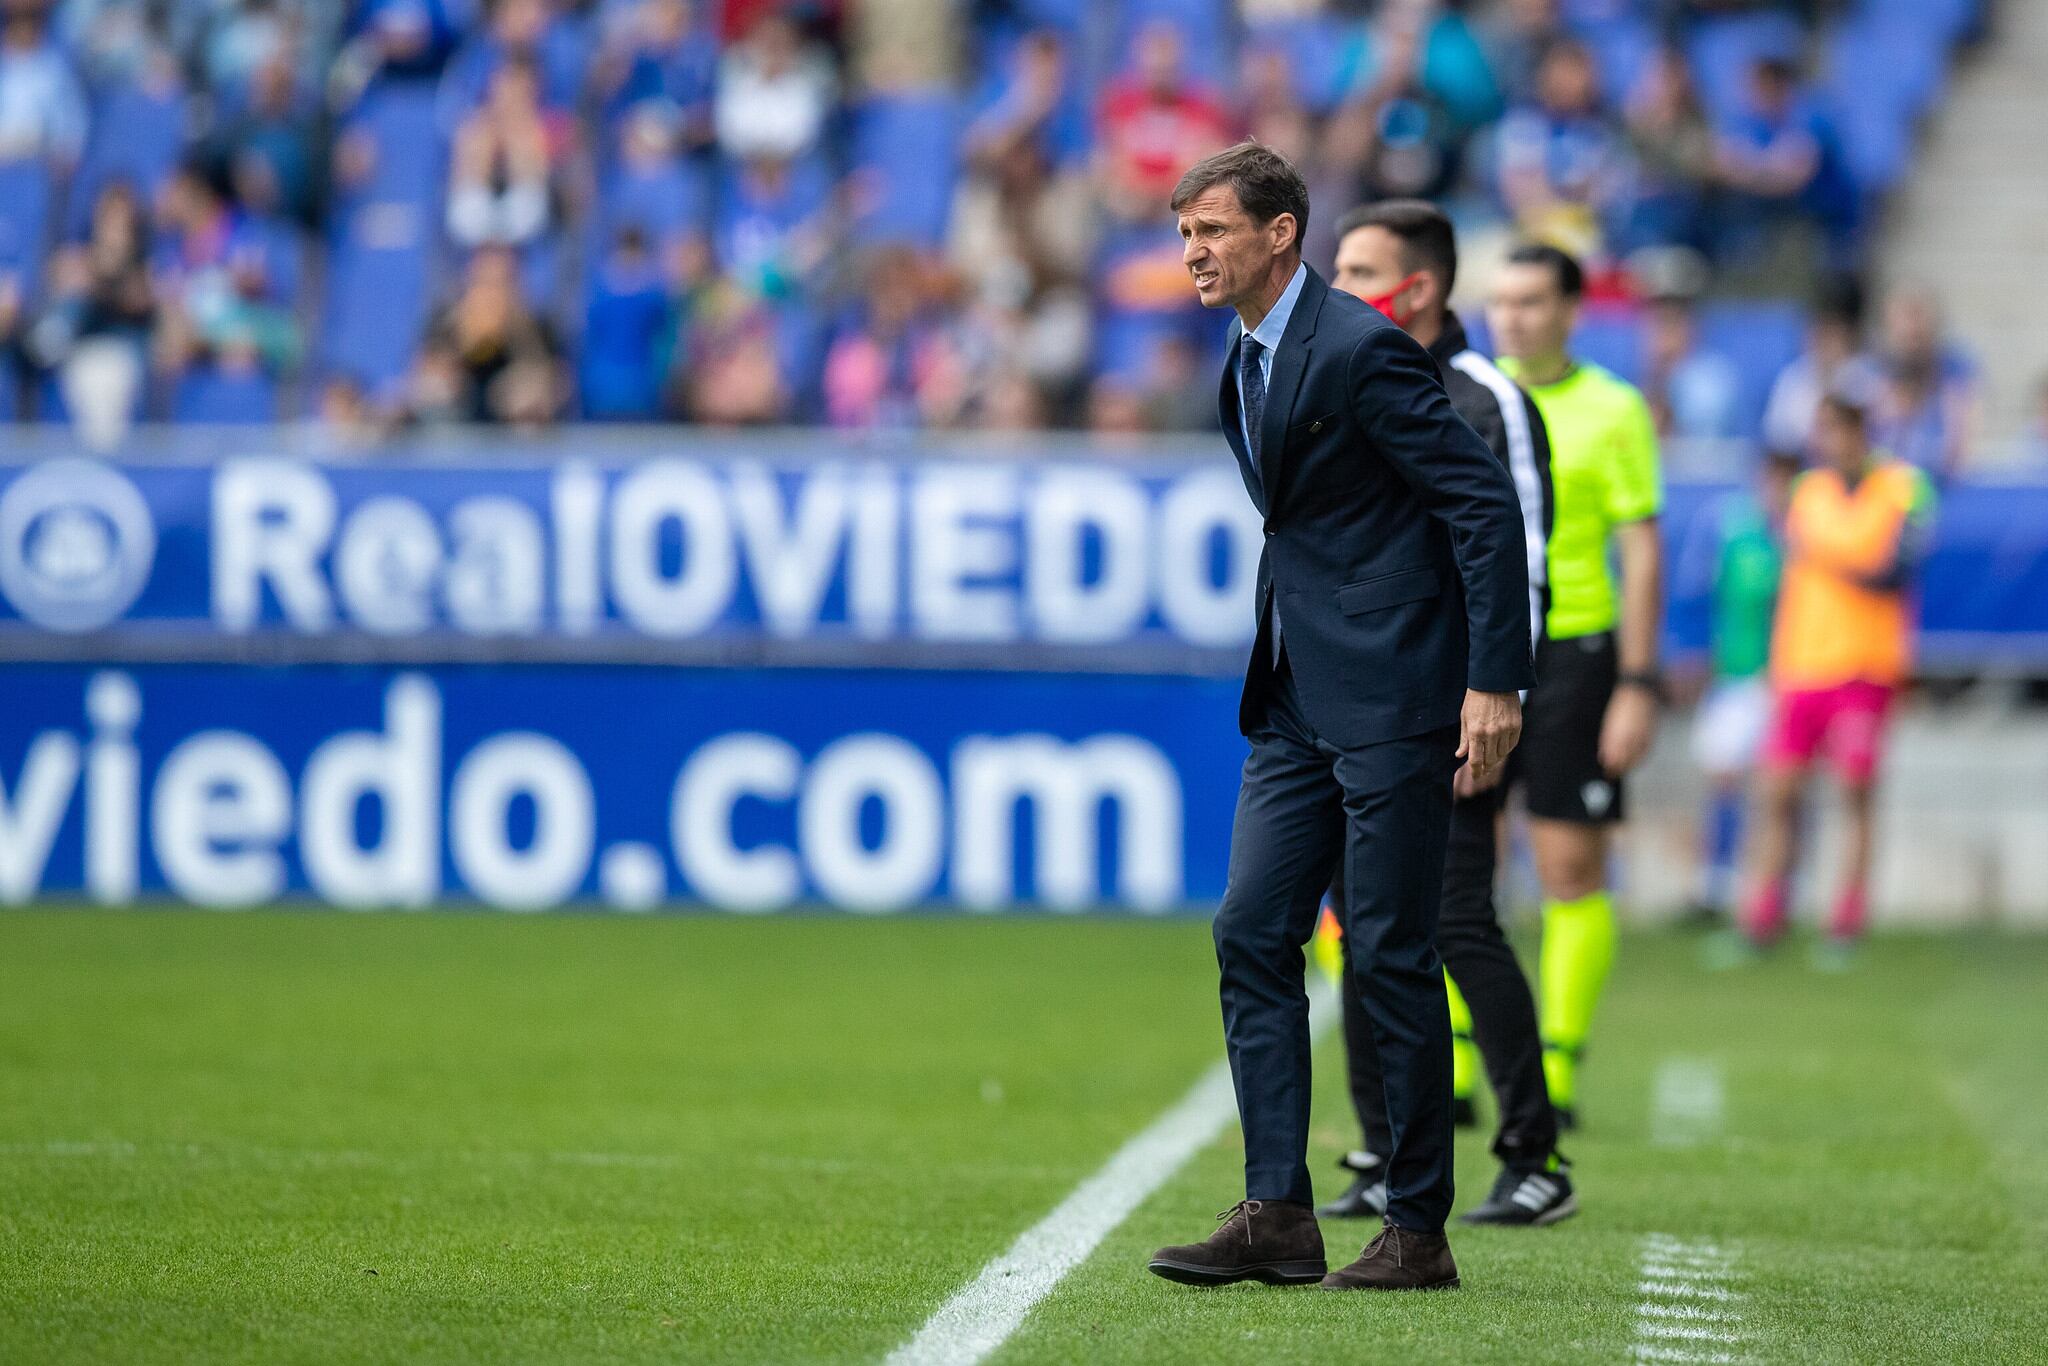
[1845, 724]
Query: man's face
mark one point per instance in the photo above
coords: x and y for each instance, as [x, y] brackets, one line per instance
[1528, 314]
[1373, 267]
[1226, 253]
[1158, 58]
[1838, 439]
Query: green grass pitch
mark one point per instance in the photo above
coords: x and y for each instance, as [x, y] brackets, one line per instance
[298, 1137]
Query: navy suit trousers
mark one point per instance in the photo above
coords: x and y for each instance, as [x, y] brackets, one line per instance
[1384, 810]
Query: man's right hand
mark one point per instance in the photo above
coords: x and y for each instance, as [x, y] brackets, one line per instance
[1488, 730]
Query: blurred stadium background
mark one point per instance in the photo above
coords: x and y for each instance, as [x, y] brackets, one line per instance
[839, 357]
[762, 454]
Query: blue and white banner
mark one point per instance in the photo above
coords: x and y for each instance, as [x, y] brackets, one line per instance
[678, 559]
[529, 788]
[772, 555]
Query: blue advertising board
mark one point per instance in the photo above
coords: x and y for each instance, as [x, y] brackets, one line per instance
[742, 675]
[527, 788]
[730, 554]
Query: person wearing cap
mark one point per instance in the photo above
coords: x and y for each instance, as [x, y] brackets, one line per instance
[1841, 647]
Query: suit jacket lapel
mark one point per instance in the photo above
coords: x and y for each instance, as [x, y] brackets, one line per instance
[1290, 360]
[1232, 414]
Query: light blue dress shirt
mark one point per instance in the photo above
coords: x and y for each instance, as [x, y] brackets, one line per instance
[1267, 334]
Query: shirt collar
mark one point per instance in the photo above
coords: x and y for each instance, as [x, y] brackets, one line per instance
[1451, 340]
[1273, 326]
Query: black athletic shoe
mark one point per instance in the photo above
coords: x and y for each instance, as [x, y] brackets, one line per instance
[1464, 1114]
[1367, 1197]
[1527, 1199]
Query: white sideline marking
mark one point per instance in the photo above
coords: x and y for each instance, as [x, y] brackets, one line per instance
[1671, 1324]
[1686, 1101]
[981, 1315]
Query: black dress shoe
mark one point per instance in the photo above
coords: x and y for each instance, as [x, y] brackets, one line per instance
[1366, 1198]
[1399, 1259]
[1275, 1241]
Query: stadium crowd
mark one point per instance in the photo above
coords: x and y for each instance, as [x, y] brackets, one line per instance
[395, 214]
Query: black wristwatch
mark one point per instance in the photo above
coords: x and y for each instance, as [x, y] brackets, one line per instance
[1649, 680]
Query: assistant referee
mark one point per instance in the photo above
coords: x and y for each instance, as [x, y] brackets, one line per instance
[1593, 712]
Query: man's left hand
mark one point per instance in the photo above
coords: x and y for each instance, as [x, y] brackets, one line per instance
[1487, 731]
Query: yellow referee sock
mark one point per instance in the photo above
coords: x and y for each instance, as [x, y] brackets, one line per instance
[1578, 950]
[1464, 1053]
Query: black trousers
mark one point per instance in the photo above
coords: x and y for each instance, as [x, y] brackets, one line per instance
[1382, 812]
[1483, 965]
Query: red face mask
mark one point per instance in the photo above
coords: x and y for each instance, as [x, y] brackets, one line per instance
[1385, 302]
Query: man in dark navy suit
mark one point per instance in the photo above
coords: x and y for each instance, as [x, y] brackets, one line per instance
[1393, 637]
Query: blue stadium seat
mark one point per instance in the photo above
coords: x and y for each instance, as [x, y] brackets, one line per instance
[1623, 47]
[1877, 141]
[666, 206]
[25, 191]
[377, 298]
[909, 146]
[1611, 335]
[207, 395]
[1887, 62]
[1723, 48]
[137, 136]
[411, 162]
[383, 235]
[1207, 30]
[1315, 48]
[1762, 337]
[284, 257]
[1941, 21]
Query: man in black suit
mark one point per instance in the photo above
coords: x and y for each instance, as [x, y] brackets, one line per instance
[1393, 637]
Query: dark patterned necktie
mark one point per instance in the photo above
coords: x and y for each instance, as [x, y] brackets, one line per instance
[1251, 389]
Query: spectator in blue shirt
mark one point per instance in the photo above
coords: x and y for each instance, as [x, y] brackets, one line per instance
[42, 104]
[1673, 150]
[658, 52]
[653, 189]
[1931, 407]
[1693, 392]
[523, 30]
[1034, 100]
[626, 332]
[1779, 159]
[1562, 161]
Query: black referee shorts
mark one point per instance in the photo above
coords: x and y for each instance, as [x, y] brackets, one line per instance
[1560, 750]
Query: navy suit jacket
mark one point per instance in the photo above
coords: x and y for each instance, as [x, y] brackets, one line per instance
[1394, 539]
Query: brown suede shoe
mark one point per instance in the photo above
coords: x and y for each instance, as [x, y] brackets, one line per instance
[1275, 1241]
[1399, 1259]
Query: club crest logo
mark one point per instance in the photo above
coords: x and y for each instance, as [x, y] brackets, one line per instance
[76, 544]
[1597, 796]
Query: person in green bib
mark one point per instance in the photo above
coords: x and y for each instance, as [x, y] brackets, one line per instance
[1728, 729]
[1593, 712]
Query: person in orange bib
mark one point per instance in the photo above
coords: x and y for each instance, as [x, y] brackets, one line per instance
[1841, 647]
